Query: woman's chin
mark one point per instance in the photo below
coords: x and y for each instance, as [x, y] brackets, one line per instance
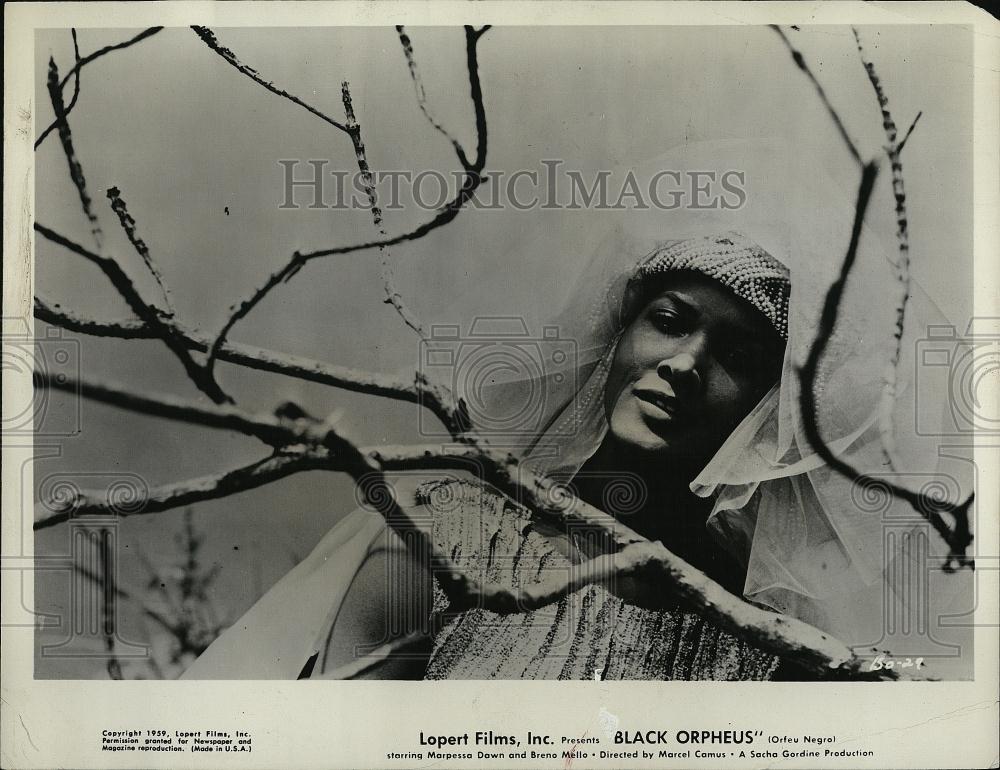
[640, 440]
[637, 444]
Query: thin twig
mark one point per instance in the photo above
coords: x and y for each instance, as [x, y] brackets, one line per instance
[393, 296]
[418, 87]
[76, 81]
[354, 131]
[109, 614]
[129, 226]
[909, 131]
[199, 375]
[800, 62]
[81, 63]
[76, 91]
[75, 169]
[887, 403]
[208, 37]
[154, 318]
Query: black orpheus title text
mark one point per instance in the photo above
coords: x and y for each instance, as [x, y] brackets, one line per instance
[715, 737]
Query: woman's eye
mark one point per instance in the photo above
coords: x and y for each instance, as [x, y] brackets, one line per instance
[668, 321]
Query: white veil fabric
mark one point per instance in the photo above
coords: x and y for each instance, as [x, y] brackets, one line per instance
[814, 544]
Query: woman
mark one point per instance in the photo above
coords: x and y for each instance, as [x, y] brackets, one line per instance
[685, 388]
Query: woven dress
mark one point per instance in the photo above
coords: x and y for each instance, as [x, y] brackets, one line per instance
[590, 634]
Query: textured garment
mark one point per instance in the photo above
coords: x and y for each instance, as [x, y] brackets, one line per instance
[591, 633]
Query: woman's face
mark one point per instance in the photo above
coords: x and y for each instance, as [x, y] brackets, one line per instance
[688, 369]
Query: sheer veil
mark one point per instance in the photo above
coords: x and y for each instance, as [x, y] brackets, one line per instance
[814, 544]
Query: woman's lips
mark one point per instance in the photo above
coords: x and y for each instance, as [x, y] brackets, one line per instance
[656, 404]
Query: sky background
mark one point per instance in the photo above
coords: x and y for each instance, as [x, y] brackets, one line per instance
[184, 136]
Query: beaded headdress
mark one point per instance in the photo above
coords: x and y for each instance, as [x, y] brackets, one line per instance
[737, 263]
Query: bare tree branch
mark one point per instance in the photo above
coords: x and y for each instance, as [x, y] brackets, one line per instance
[393, 296]
[76, 92]
[199, 375]
[354, 131]
[473, 178]
[800, 62]
[887, 404]
[540, 495]
[129, 226]
[959, 537]
[81, 63]
[781, 635]
[281, 433]
[368, 466]
[271, 430]
[208, 37]
[418, 88]
[58, 509]
[150, 315]
[75, 169]
[428, 395]
[909, 131]
[129, 329]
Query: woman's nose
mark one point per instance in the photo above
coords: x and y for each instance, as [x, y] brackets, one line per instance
[681, 370]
